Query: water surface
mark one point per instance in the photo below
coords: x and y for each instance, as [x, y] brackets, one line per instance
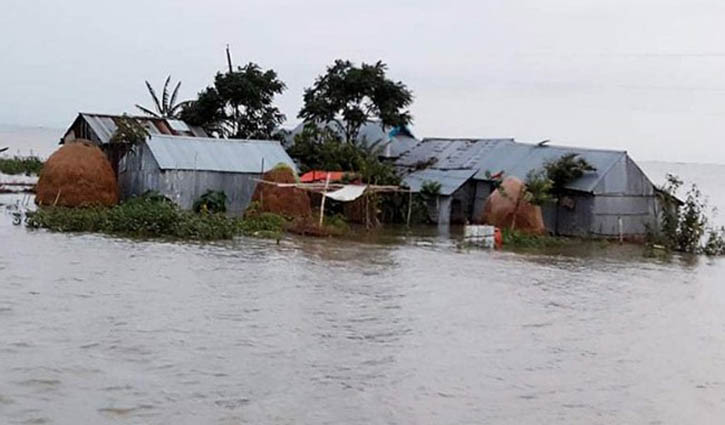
[101, 330]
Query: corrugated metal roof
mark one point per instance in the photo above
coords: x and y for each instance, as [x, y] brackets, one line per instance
[518, 161]
[450, 154]
[105, 125]
[450, 180]
[495, 155]
[222, 155]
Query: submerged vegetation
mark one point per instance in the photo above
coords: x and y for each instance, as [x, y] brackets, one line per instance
[518, 239]
[29, 165]
[685, 225]
[153, 215]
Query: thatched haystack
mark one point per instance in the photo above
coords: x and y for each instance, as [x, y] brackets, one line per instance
[507, 202]
[288, 202]
[76, 175]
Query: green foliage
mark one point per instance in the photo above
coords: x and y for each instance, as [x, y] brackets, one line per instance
[322, 149]
[565, 170]
[670, 216]
[515, 239]
[538, 188]
[715, 244]
[239, 105]
[128, 132]
[152, 215]
[683, 227]
[693, 221]
[423, 202]
[266, 225]
[166, 107]
[430, 189]
[212, 201]
[350, 96]
[337, 224]
[28, 165]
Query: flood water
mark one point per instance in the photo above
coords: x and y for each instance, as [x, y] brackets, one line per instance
[400, 330]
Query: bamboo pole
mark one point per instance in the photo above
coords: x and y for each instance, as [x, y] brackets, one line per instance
[261, 192]
[322, 203]
[410, 207]
[621, 230]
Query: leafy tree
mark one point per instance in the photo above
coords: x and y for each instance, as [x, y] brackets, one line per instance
[350, 96]
[565, 170]
[537, 188]
[166, 107]
[239, 105]
[684, 225]
[322, 149]
[128, 134]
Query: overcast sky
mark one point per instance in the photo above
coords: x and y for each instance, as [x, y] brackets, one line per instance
[645, 76]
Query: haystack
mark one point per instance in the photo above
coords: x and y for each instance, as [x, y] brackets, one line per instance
[78, 174]
[507, 202]
[288, 202]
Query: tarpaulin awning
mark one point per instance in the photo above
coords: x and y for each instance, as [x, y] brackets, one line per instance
[347, 193]
[321, 176]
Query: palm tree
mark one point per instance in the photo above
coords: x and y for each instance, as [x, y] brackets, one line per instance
[167, 107]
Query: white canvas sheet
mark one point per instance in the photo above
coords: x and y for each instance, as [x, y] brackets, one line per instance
[347, 193]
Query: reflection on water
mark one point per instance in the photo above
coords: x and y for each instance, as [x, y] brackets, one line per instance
[312, 331]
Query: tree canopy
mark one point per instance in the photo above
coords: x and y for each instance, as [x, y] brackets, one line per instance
[350, 96]
[321, 149]
[566, 169]
[239, 105]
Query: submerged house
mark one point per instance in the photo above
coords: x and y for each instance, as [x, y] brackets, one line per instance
[184, 168]
[180, 161]
[618, 194]
[391, 141]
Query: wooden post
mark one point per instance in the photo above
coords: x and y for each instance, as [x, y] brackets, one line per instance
[621, 230]
[367, 211]
[322, 203]
[410, 206]
[261, 192]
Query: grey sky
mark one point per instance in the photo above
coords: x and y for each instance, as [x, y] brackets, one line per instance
[641, 75]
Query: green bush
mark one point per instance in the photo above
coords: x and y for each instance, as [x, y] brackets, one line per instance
[213, 201]
[154, 216]
[517, 239]
[683, 227]
[21, 165]
[264, 223]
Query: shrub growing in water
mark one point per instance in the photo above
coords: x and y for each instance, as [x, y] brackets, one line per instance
[151, 215]
[21, 165]
[683, 227]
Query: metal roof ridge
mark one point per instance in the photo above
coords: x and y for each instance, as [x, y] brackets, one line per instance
[136, 117]
[468, 139]
[535, 145]
[213, 139]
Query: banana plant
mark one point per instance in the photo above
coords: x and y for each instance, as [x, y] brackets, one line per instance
[166, 107]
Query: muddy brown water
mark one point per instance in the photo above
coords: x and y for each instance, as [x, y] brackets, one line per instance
[394, 330]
